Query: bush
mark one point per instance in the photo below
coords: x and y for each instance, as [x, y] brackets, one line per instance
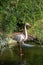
[15, 12]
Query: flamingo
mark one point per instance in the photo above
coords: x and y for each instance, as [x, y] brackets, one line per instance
[21, 38]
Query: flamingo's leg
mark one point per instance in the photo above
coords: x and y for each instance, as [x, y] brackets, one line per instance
[20, 52]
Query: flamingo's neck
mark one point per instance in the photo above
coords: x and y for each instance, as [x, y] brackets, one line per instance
[26, 35]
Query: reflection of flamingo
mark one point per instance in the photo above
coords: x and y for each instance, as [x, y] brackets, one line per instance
[20, 38]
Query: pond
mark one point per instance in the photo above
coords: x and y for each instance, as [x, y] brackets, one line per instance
[31, 56]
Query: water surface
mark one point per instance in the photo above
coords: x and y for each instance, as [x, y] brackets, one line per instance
[32, 56]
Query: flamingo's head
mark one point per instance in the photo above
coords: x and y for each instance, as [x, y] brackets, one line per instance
[28, 25]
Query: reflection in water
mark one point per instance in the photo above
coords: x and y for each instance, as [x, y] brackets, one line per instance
[33, 55]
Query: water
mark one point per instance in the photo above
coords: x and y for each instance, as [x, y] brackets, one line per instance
[32, 56]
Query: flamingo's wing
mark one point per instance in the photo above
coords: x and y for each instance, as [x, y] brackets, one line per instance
[18, 37]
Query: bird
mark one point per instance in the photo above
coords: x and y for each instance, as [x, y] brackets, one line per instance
[21, 37]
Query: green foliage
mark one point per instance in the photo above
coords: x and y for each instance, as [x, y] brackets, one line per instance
[19, 11]
[37, 29]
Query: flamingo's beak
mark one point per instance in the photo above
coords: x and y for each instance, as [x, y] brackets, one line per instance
[28, 26]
